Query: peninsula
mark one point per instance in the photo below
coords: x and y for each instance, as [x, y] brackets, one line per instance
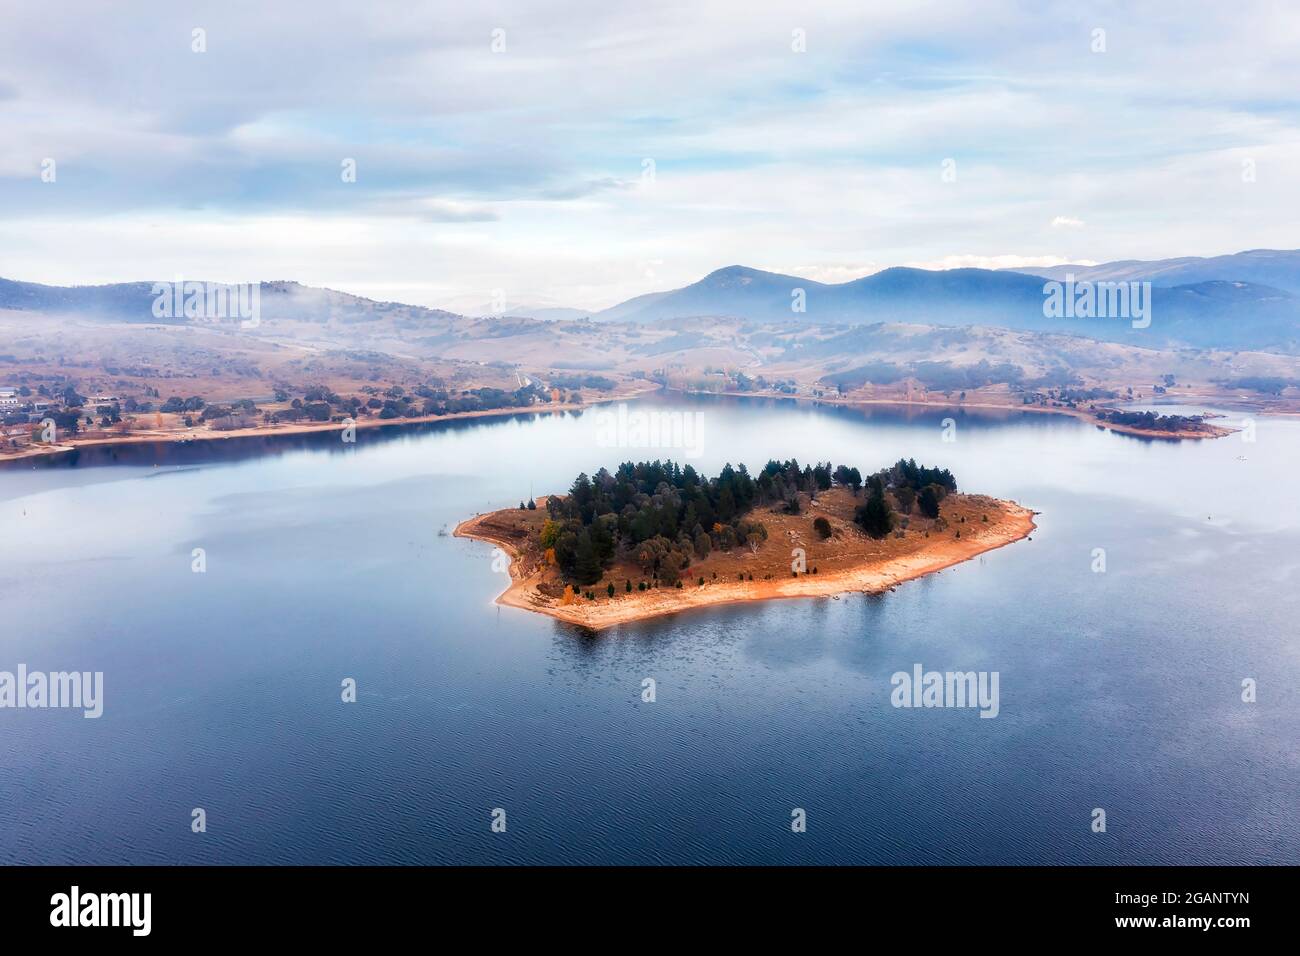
[655, 538]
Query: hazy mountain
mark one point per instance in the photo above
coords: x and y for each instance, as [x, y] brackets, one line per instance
[546, 313]
[134, 302]
[552, 313]
[1230, 314]
[1279, 268]
[1235, 314]
[627, 311]
[123, 300]
[958, 296]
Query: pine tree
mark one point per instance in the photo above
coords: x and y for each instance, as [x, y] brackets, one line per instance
[876, 517]
[928, 501]
[586, 565]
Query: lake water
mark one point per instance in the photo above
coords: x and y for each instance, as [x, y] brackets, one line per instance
[1119, 690]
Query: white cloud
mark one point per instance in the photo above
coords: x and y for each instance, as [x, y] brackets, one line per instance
[522, 170]
[998, 262]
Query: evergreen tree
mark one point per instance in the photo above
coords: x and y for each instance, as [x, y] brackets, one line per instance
[928, 501]
[875, 517]
[586, 565]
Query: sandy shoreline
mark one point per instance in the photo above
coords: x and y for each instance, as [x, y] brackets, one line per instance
[1014, 524]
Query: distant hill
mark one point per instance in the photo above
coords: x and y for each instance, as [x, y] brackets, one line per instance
[1232, 313]
[1279, 268]
[134, 301]
[1214, 313]
[546, 313]
[126, 300]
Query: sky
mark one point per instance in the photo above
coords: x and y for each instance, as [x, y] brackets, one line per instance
[579, 153]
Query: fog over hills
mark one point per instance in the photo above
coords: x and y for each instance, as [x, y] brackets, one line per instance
[1279, 268]
[1217, 312]
[1221, 302]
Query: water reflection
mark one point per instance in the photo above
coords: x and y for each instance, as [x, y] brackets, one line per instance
[1119, 689]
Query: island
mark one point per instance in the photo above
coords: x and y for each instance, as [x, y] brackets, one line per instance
[655, 538]
[1155, 425]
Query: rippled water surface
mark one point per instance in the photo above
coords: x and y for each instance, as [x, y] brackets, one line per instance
[1119, 690]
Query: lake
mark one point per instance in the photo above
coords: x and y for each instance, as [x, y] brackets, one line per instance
[1119, 690]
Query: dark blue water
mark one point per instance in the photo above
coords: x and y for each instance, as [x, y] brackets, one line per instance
[1119, 690]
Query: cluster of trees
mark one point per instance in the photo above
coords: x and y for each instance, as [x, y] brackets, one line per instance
[762, 384]
[177, 404]
[660, 514]
[1265, 384]
[426, 400]
[909, 484]
[1152, 421]
[579, 380]
[663, 516]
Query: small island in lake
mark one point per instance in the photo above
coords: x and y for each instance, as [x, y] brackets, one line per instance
[654, 538]
[1155, 425]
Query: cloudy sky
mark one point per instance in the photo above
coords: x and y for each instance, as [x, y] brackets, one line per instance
[580, 153]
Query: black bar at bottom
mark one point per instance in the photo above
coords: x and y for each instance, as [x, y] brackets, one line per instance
[374, 904]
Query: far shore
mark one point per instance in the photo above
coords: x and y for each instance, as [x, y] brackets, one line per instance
[1011, 522]
[1206, 431]
[147, 436]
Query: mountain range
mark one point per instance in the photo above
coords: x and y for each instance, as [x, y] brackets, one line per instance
[1250, 300]
[1215, 309]
[1279, 268]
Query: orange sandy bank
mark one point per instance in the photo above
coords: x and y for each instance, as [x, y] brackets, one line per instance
[1007, 522]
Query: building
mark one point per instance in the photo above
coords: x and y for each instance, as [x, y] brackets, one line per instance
[9, 398]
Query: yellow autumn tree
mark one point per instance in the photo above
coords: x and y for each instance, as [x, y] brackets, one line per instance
[550, 532]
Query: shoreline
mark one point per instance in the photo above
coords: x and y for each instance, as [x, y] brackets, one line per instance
[874, 577]
[1210, 431]
[144, 436]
